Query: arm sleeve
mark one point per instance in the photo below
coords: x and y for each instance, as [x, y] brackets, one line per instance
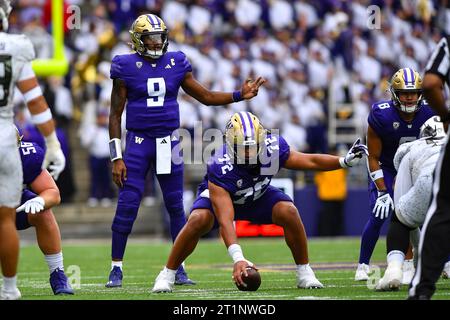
[26, 49]
[33, 167]
[116, 68]
[374, 120]
[26, 72]
[439, 62]
[215, 175]
[185, 63]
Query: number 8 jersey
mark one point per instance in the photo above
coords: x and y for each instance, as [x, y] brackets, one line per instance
[16, 53]
[152, 90]
[245, 185]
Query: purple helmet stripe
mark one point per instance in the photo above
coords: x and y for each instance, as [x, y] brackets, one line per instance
[251, 123]
[405, 75]
[150, 17]
[243, 122]
[413, 78]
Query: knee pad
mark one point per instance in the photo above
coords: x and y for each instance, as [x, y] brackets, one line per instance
[22, 221]
[126, 212]
[174, 203]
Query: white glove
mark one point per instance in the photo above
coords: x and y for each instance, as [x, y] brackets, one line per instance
[54, 155]
[32, 206]
[383, 205]
[354, 155]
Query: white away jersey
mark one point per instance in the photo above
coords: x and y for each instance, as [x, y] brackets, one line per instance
[16, 50]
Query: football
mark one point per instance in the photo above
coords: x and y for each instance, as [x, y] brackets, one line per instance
[252, 280]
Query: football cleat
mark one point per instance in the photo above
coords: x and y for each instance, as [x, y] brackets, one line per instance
[181, 278]
[306, 279]
[10, 295]
[408, 271]
[60, 283]
[115, 278]
[164, 282]
[392, 279]
[362, 272]
[446, 271]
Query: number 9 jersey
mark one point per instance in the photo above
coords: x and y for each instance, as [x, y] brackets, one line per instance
[152, 90]
[244, 184]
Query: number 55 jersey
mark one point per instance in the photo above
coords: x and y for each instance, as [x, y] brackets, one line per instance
[249, 188]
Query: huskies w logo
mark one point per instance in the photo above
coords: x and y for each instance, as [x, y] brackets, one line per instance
[138, 140]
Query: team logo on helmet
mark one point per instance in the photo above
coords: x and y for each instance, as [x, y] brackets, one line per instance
[153, 27]
[406, 80]
[433, 128]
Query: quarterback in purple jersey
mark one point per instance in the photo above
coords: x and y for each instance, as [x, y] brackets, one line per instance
[40, 195]
[147, 82]
[390, 124]
[237, 186]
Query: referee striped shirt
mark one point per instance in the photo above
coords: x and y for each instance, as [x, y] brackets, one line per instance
[439, 62]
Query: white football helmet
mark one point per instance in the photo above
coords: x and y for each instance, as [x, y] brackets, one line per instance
[433, 128]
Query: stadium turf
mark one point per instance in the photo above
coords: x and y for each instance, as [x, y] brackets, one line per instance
[334, 261]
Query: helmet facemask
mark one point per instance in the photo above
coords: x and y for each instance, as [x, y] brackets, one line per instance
[149, 38]
[245, 150]
[406, 81]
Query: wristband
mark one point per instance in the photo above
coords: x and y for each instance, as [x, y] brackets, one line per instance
[32, 94]
[115, 149]
[237, 96]
[343, 163]
[235, 253]
[375, 175]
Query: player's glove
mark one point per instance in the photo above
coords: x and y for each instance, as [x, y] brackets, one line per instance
[354, 155]
[32, 206]
[383, 205]
[54, 155]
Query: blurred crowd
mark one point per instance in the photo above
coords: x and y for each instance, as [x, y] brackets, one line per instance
[299, 46]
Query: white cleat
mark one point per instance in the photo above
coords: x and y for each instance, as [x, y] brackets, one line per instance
[392, 279]
[10, 295]
[362, 272]
[164, 282]
[306, 279]
[408, 271]
[446, 271]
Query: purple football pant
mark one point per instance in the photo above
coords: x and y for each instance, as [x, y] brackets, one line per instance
[372, 228]
[139, 157]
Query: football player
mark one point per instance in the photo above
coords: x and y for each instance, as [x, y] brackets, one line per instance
[148, 81]
[237, 186]
[415, 162]
[35, 210]
[390, 124]
[16, 54]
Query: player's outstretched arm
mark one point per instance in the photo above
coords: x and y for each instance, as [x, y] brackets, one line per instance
[215, 98]
[118, 100]
[48, 194]
[325, 162]
[41, 116]
[224, 210]
[432, 90]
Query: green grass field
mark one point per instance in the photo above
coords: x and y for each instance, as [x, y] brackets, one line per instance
[334, 261]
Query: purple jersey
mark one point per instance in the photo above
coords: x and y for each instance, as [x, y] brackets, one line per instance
[32, 157]
[244, 185]
[152, 90]
[385, 120]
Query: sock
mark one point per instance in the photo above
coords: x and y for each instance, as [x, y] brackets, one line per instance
[171, 273]
[302, 267]
[116, 264]
[119, 242]
[177, 223]
[9, 284]
[369, 239]
[396, 257]
[54, 261]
